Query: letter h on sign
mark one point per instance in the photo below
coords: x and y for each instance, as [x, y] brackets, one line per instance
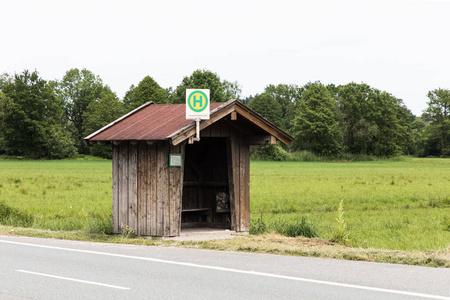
[197, 101]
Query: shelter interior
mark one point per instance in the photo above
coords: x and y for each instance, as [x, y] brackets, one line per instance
[206, 196]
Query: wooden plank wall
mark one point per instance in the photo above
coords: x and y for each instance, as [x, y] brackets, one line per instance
[146, 191]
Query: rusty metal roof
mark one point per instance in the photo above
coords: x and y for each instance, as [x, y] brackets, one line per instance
[168, 121]
[148, 122]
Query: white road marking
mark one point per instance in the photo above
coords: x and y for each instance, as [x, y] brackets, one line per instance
[353, 286]
[76, 280]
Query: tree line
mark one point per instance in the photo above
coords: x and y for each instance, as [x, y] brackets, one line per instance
[49, 119]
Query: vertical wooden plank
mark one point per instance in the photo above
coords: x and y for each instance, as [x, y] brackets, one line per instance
[215, 130]
[245, 186]
[171, 193]
[115, 188]
[159, 189]
[225, 129]
[132, 189]
[141, 188]
[153, 184]
[123, 185]
[206, 132]
[180, 188]
[146, 162]
[231, 183]
[174, 183]
[166, 188]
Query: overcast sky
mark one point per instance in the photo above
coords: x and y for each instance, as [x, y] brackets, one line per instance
[399, 46]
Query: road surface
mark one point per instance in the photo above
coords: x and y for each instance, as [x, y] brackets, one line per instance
[32, 268]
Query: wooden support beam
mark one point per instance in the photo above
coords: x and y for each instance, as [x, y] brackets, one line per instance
[233, 116]
[100, 142]
[273, 140]
[150, 142]
[191, 140]
[258, 139]
[117, 142]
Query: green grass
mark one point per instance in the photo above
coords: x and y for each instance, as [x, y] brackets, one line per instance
[60, 195]
[397, 205]
[403, 204]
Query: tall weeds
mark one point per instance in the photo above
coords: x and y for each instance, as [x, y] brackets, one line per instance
[340, 231]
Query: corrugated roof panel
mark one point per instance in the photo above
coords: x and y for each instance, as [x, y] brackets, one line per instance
[153, 122]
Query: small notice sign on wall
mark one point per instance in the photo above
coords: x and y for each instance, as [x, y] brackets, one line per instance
[175, 160]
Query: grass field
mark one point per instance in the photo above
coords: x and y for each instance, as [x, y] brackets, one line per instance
[60, 195]
[401, 205]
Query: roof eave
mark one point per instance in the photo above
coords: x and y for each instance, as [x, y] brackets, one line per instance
[220, 112]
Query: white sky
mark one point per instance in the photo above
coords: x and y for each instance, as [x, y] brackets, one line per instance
[400, 46]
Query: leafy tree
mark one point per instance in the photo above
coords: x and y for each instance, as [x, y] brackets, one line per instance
[267, 107]
[247, 100]
[357, 106]
[32, 119]
[438, 112]
[286, 95]
[373, 122]
[78, 89]
[418, 127]
[315, 126]
[4, 79]
[220, 91]
[3, 101]
[393, 120]
[147, 90]
[100, 114]
[232, 90]
[103, 112]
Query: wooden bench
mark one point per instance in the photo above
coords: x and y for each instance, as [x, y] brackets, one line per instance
[202, 211]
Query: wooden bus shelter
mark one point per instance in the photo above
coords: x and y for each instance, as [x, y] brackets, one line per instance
[163, 181]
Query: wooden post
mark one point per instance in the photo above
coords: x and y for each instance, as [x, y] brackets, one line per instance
[245, 202]
[231, 183]
[235, 145]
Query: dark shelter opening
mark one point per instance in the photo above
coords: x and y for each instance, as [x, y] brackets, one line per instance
[206, 196]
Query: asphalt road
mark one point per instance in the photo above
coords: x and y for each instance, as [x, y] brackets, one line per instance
[32, 268]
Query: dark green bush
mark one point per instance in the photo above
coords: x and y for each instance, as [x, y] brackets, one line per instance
[298, 227]
[270, 152]
[259, 226]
